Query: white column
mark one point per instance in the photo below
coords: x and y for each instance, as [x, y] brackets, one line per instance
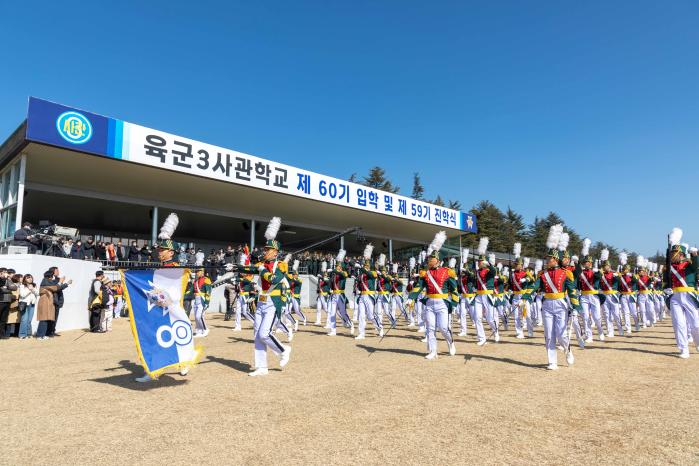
[154, 227]
[20, 190]
[342, 242]
[252, 235]
[390, 250]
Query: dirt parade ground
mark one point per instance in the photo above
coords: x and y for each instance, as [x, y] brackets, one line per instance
[73, 400]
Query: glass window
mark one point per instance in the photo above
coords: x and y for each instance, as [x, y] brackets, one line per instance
[10, 222]
[5, 187]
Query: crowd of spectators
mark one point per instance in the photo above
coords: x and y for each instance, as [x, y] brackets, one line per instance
[21, 297]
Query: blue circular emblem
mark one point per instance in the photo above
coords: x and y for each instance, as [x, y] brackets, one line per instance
[74, 127]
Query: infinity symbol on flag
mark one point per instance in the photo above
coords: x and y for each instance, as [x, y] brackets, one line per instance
[180, 333]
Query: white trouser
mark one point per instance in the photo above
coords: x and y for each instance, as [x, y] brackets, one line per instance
[367, 312]
[198, 308]
[517, 310]
[485, 308]
[591, 308]
[118, 307]
[437, 316]
[106, 321]
[629, 309]
[611, 313]
[265, 322]
[464, 311]
[685, 319]
[321, 305]
[337, 305]
[645, 308]
[555, 314]
[476, 314]
[296, 308]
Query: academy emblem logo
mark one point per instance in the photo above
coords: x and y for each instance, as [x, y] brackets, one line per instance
[74, 127]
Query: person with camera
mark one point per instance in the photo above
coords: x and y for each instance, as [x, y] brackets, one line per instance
[7, 287]
[25, 237]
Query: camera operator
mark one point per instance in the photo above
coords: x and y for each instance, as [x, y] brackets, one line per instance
[25, 237]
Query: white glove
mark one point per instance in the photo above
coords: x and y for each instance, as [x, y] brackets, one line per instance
[575, 314]
[261, 269]
[667, 291]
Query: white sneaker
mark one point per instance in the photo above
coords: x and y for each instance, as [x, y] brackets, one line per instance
[462, 334]
[519, 336]
[570, 359]
[497, 337]
[148, 378]
[332, 333]
[552, 367]
[452, 349]
[601, 337]
[421, 330]
[560, 348]
[530, 334]
[317, 322]
[424, 340]
[285, 357]
[352, 330]
[258, 372]
[184, 371]
[360, 337]
[411, 324]
[198, 334]
[588, 339]
[482, 342]
[381, 333]
[610, 335]
[684, 354]
[296, 326]
[237, 328]
[304, 322]
[431, 356]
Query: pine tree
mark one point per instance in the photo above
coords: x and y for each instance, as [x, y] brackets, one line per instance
[352, 178]
[438, 201]
[456, 205]
[377, 180]
[418, 189]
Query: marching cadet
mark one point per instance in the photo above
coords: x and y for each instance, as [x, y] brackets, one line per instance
[200, 288]
[366, 278]
[588, 284]
[519, 282]
[569, 265]
[322, 290]
[245, 294]
[467, 294]
[556, 283]
[627, 287]
[272, 280]
[644, 285]
[396, 288]
[295, 286]
[499, 294]
[166, 255]
[485, 285]
[382, 289]
[438, 283]
[338, 305]
[681, 277]
[609, 286]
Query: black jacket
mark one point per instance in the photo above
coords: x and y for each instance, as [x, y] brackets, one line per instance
[134, 253]
[58, 299]
[89, 251]
[6, 289]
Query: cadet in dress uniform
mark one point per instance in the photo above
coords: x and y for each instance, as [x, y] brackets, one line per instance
[485, 286]
[556, 283]
[609, 286]
[682, 265]
[366, 284]
[338, 305]
[438, 283]
[272, 280]
[588, 284]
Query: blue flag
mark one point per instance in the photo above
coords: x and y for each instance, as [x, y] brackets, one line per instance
[160, 326]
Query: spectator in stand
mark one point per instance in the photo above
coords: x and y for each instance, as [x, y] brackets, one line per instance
[100, 251]
[199, 258]
[134, 252]
[28, 297]
[88, 252]
[121, 251]
[76, 251]
[154, 255]
[6, 289]
[145, 253]
[110, 252]
[191, 256]
[46, 312]
[229, 256]
[67, 248]
[182, 256]
[13, 314]
[60, 284]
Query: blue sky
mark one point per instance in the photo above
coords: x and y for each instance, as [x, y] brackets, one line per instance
[589, 109]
